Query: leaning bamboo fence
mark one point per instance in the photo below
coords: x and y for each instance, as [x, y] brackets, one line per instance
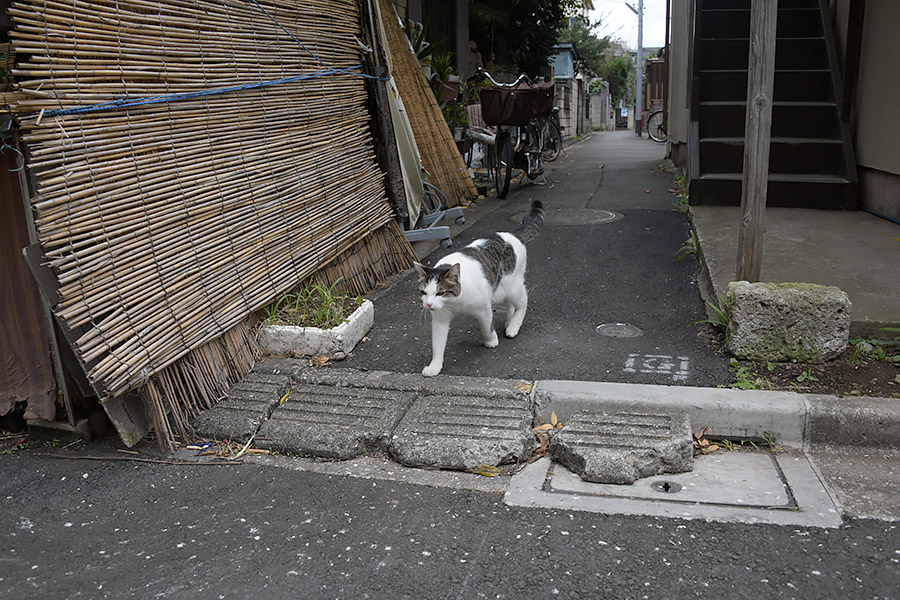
[192, 161]
[440, 156]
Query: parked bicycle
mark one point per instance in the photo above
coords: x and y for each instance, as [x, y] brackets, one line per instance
[552, 135]
[655, 127]
[520, 111]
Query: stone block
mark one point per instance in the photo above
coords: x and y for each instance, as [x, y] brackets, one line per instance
[333, 422]
[247, 405]
[623, 447]
[786, 321]
[464, 432]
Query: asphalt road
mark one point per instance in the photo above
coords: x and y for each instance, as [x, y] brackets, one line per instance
[121, 529]
[582, 273]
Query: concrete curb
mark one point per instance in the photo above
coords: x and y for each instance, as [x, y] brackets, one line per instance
[792, 419]
[853, 422]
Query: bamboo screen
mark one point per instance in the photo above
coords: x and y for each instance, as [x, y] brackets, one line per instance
[192, 161]
[440, 156]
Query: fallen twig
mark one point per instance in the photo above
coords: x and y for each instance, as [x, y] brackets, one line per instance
[148, 460]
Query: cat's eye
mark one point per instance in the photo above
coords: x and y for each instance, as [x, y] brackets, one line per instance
[421, 292]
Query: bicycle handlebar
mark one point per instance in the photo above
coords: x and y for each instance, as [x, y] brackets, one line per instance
[520, 79]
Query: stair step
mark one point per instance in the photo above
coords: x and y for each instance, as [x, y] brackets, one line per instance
[795, 191]
[789, 119]
[791, 53]
[790, 85]
[786, 155]
[735, 23]
[780, 178]
[735, 4]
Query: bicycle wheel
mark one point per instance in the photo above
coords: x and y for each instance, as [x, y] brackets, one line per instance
[552, 142]
[534, 156]
[504, 163]
[655, 128]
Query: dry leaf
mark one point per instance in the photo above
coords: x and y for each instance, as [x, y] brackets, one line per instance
[553, 419]
[319, 361]
[486, 471]
[544, 427]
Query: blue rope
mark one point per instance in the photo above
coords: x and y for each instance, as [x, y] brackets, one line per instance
[127, 102]
[274, 20]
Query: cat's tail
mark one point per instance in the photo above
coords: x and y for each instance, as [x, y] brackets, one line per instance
[531, 224]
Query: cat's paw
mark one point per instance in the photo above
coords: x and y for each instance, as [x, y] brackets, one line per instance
[431, 371]
[493, 341]
[512, 331]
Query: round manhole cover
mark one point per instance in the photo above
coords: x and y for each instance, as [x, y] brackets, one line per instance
[574, 216]
[619, 330]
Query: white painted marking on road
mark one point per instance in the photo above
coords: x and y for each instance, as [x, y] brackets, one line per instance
[678, 367]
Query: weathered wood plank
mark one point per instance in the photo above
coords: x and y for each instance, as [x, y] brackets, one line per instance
[760, 82]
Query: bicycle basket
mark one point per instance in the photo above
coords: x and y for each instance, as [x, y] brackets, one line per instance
[516, 106]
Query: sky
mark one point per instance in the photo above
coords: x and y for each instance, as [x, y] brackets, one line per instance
[620, 23]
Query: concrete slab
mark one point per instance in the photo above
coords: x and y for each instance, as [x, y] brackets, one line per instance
[746, 487]
[483, 387]
[852, 250]
[248, 404]
[728, 413]
[464, 432]
[333, 422]
[866, 481]
[622, 447]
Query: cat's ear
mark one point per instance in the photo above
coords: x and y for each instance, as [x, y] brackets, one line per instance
[452, 274]
[423, 274]
[450, 280]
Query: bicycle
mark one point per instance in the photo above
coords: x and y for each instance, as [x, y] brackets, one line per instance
[520, 114]
[552, 135]
[655, 128]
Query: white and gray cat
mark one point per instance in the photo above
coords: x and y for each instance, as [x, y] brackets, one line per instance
[488, 271]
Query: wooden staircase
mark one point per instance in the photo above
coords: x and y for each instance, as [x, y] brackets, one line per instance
[812, 163]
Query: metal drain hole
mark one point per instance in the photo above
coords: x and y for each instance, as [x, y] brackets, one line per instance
[666, 487]
[619, 330]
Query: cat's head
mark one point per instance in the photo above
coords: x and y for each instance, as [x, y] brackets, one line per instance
[437, 285]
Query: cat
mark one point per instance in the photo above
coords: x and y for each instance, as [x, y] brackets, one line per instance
[488, 271]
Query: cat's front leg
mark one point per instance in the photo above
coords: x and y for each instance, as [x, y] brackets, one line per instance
[440, 328]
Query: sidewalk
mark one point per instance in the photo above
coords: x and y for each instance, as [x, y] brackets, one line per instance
[852, 250]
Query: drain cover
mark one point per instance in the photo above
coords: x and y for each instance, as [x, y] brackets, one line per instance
[668, 487]
[619, 330]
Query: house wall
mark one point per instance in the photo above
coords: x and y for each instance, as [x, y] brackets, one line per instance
[679, 82]
[874, 120]
[601, 119]
[573, 102]
[562, 64]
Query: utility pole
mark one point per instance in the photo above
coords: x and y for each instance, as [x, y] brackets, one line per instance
[639, 71]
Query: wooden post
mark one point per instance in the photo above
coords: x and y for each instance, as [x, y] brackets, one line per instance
[760, 81]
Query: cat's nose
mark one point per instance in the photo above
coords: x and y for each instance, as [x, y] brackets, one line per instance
[428, 304]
